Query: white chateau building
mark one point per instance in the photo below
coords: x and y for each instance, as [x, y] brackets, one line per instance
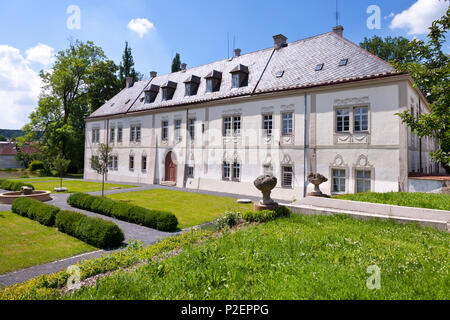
[320, 104]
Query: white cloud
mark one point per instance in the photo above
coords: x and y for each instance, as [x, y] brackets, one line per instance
[42, 54]
[19, 88]
[140, 26]
[419, 17]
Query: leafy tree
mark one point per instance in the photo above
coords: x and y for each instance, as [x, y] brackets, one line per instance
[60, 164]
[432, 75]
[391, 49]
[3, 138]
[126, 67]
[176, 63]
[100, 162]
[80, 80]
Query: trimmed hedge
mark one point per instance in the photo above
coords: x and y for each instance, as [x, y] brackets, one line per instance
[94, 231]
[159, 220]
[266, 215]
[36, 165]
[14, 185]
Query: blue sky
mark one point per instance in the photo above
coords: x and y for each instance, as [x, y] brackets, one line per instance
[32, 31]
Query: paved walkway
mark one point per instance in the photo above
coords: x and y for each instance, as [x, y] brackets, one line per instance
[132, 231]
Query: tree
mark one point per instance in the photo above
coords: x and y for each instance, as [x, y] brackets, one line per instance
[176, 63]
[126, 67]
[60, 164]
[396, 49]
[80, 80]
[3, 138]
[100, 162]
[432, 76]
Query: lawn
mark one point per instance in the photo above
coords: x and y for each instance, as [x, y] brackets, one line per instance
[191, 209]
[418, 200]
[25, 243]
[302, 257]
[77, 186]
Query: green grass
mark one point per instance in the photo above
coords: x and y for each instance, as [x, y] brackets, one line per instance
[191, 209]
[302, 257]
[77, 186]
[36, 179]
[25, 243]
[419, 200]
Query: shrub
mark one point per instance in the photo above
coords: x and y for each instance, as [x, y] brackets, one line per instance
[14, 185]
[230, 219]
[43, 213]
[20, 206]
[98, 232]
[67, 221]
[160, 220]
[36, 165]
[283, 211]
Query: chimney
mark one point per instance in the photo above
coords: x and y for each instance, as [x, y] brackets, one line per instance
[153, 74]
[183, 67]
[339, 30]
[237, 52]
[129, 82]
[279, 41]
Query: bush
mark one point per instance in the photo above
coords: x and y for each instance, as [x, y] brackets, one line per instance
[36, 165]
[43, 213]
[14, 185]
[20, 206]
[67, 221]
[266, 215]
[230, 219]
[100, 233]
[159, 220]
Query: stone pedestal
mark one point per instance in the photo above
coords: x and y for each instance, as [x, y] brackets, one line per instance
[27, 191]
[261, 207]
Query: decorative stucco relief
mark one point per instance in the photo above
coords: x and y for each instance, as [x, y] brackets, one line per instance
[351, 101]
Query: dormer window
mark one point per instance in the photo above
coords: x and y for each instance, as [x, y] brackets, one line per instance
[191, 85]
[319, 67]
[213, 80]
[168, 90]
[239, 76]
[343, 62]
[151, 94]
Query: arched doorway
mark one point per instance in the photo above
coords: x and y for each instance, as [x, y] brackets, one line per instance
[171, 168]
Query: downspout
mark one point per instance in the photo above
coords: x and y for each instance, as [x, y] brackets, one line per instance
[420, 141]
[186, 157]
[304, 151]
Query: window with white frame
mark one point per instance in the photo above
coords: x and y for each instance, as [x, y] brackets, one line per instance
[115, 162]
[190, 172]
[165, 130]
[135, 133]
[178, 129]
[287, 124]
[144, 163]
[342, 120]
[363, 181]
[236, 174]
[93, 159]
[138, 133]
[361, 119]
[119, 134]
[227, 126]
[132, 134]
[110, 163]
[112, 135]
[287, 176]
[131, 163]
[237, 125]
[231, 126]
[268, 125]
[268, 169]
[95, 135]
[192, 128]
[226, 170]
[338, 180]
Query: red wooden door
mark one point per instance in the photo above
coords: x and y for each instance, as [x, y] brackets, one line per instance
[171, 168]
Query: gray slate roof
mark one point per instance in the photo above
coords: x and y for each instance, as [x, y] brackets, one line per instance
[298, 61]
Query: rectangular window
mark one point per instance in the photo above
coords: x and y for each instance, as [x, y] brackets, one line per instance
[93, 158]
[267, 125]
[138, 134]
[190, 172]
[112, 135]
[227, 126]
[119, 134]
[287, 124]
[236, 171]
[192, 128]
[361, 118]
[237, 126]
[226, 171]
[236, 79]
[339, 181]
[288, 176]
[165, 130]
[131, 162]
[144, 163]
[132, 134]
[115, 162]
[178, 129]
[95, 135]
[342, 120]
[110, 163]
[363, 181]
[268, 169]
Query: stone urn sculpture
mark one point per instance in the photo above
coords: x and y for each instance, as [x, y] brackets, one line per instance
[266, 184]
[316, 179]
